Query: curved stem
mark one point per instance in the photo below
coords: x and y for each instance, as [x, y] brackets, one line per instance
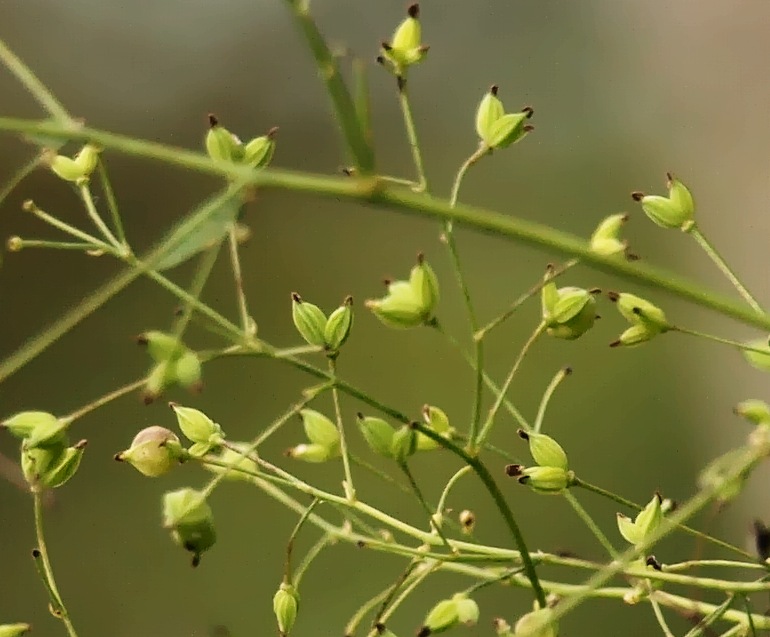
[247, 323]
[93, 213]
[555, 382]
[421, 498]
[103, 400]
[719, 261]
[411, 134]
[448, 487]
[661, 619]
[350, 490]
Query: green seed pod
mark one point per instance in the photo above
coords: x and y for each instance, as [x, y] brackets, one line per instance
[68, 463]
[338, 325]
[22, 425]
[545, 450]
[197, 426]
[309, 320]
[285, 606]
[541, 479]
[188, 371]
[645, 523]
[400, 308]
[14, 630]
[259, 151]
[405, 47]
[48, 430]
[154, 451]
[488, 112]
[310, 453]
[404, 443]
[437, 420]
[755, 411]
[758, 360]
[319, 429]
[680, 196]
[628, 529]
[221, 144]
[425, 286]
[64, 167]
[87, 159]
[467, 609]
[568, 314]
[237, 455]
[441, 617]
[605, 240]
[538, 623]
[638, 310]
[675, 211]
[508, 129]
[160, 345]
[37, 461]
[714, 476]
[189, 518]
[160, 377]
[634, 335]
[378, 434]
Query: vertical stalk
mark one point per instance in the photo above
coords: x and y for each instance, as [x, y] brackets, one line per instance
[411, 134]
[350, 491]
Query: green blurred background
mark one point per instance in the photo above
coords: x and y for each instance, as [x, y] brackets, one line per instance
[622, 91]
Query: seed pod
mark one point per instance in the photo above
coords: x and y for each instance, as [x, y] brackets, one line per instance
[221, 144]
[310, 453]
[542, 479]
[405, 47]
[404, 443]
[237, 456]
[259, 151]
[755, 411]
[64, 167]
[508, 129]
[56, 475]
[319, 429]
[189, 518]
[309, 320]
[188, 371]
[197, 426]
[338, 325]
[378, 434]
[154, 451]
[756, 359]
[675, 211]
[441, 617]
[160, 345]
[645, 523]
[568, 312]
[14, 630]
[545, 450]
[538, 623]
[424, 284]
[285, 607]
[467, 609]
[23, 424]
[438, 421]
[606, 240]
[488, 112]
[467, 520]
[400, 308]
[87, 159]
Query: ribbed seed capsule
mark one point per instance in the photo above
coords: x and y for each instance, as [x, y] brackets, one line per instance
[378, 434]
[189, 518]
[285, 607]
[22, 425]
[319, 429]
[14, 630]
[338, 326]
[197, 426]
[490, 109]
[545, 450]
[309, 320]
[259, 151]
[221, 144]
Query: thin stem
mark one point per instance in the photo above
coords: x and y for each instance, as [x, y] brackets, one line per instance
[411, 134]
[749, 614]
[382, 475]
[718, 339]
[23, 244]
[661, 619]
[555, 382]
[507, 383]
[714, 255]
[406, 592]
[421, 499]
[112, 203]
[403, 200]
[93, 213]
[103, 400]
[35, 87]
[18, 176]
[523, 298]
[350, 490]
[367, 607]
[448, 487]
[31, 207]
[247, 323]
[392, 590]
[591, 524]
[42, 552]
[290, 544]
[313, 553]
[202, 273]
[578, 482]
[712, 617]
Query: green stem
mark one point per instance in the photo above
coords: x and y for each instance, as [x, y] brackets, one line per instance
[41, 552]
[633, 505]
[247, 323]
[93, 213]
[507, 383]
[374, 191]
[290, 544]
[489, 483]
[712, 617]
[426, 507]
[420, 577]
[313, 553]
[661, 619]
[714, 255]
[367, 607]
[18, 177]
[31, 207]
[202, 273]
[24, 244]
[350, 490]
[591, 524]
[448, 487]
[555, 382]
[112, 204]
[411, 134]
[103, 400]
[718, 339]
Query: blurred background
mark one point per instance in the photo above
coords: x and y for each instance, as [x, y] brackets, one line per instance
[623, 92]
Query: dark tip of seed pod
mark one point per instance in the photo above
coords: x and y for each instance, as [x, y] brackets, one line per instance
[361, 544]
[567, 370]
[348, 300]
[669, 176]
[414, 425]
[148, 398]
[400, 82]
[414, 10]
[761, 539]
[613, 296]
[386, 46]
[595, 291]
[387, 281]
[493, 89]
[523, 434]
[141, 339]
[653, 561]
[213, 121]
[549, 268]
[348, 171]
[420, 258]
[296, 297]
[379, 59]
[81, 444]
[630, 256]
[637, 196]
[528, 128]
[118, 457]
[423, 632]
[379, 627]
[360, 415]
[36, 554]
[529, 111]
[272, 132]
[615, 344]
[513, 470]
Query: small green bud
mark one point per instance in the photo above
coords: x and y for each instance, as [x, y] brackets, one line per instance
[378, 434]
[65, 468]
[319, 429]
[467, 609]
[160, 377]
[568, 312]
[338, 325]
[189, 518]
[64, 167]
[425, 286]
[188, 371]
[259, 151]
[545, 450]
[647, 320]
[714, 475]
[221, 144]
[23, 424]
[488, 112]
[605, 239]
[14, 630]
[755, 411]
[87, 159]
[634, 335]
[675, 211]
[309, 320]
[404, 443]
[758, 360]
[441, 617]
[405, 47]
[237, 456]
[508, 129]
[160, 345]
[285, 606]
[645, 523]
[541, 479]
[310, 453]
[154, 451]
[538, 623]
[51, 466]
[437, 420]
[400, 308]
[197, 426]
